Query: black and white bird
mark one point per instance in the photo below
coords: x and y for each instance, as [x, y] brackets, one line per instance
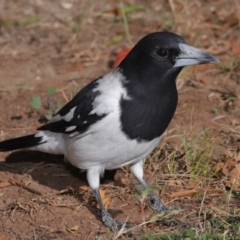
[119, 118]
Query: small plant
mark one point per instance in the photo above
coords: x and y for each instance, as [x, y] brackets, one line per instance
[168, 23]
[228, 67]
[52, 106]
[173, 163]
[198, 153]
[229, 103]
[125, 23]
[216, 111]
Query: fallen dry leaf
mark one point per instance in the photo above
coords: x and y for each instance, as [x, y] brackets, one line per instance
[2, 237]
[50, 229]
[3, 185]
[76, 67]
[183, 193]
[237, 155]
[79, 189]
[228, 167]
[192, 184]
[121, 55]
[218, 166]
[236, 48]
[191, 192]
[173, 182]
[106, 200]
[83, 188]
[234, 180]
[122, 182]
[115, 12]
[74, 228]
[214, 191]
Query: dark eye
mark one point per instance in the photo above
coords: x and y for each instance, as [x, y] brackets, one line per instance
[162, 52]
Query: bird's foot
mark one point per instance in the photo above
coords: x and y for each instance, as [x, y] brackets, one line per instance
[111, 223]
[159, 206]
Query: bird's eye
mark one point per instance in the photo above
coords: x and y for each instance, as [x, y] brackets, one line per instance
[162, 52]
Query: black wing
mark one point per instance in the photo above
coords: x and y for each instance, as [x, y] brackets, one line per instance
[75, 116]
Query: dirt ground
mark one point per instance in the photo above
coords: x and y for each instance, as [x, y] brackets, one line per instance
[68, 43]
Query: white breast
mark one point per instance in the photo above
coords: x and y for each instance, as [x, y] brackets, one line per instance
[106, 145]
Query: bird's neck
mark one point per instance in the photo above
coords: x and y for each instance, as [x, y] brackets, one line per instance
[152, 104]
[147, 76]
[152, 83]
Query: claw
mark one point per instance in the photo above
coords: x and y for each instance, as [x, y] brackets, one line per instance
[158, 205]
[107, 219]
[111, 223]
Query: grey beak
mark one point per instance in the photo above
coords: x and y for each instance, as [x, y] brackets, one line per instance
[191, 56]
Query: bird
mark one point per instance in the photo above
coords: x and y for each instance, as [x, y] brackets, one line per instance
[119, 118]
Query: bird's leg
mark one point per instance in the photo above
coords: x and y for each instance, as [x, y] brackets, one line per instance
[157, 204]
[93, 176]
[107, 219]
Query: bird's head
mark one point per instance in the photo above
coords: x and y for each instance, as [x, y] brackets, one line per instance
[162, 55]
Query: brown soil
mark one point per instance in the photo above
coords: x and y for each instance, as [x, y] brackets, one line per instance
[67, 44]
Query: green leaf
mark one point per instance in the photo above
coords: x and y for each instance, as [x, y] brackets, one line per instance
[138, 196]
[30, 20]
[51, 91]
[36, 102]
[116, 39]
[149, 190]
[48, 116]
[156, 217]
[132, 8]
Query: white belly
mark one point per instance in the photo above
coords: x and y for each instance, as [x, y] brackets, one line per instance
[106, 146]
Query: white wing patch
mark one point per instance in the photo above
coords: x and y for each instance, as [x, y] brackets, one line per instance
[111, 90]
[71, 128]
[68, 117]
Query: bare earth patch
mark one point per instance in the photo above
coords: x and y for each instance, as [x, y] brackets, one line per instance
[67, 44]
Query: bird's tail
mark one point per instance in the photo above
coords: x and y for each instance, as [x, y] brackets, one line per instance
[21, 142]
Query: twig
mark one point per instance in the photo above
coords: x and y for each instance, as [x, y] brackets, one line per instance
[125, 23]
[203, 199]
[47, 11]
[64, 96]
[238, 11]
[34, 234]
[173, 9]
[32, 190]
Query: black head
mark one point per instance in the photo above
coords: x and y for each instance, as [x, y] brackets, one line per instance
[162, 54]
[153, 56]
[160, 48]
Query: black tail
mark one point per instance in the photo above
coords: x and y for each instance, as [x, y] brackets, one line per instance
[21, 142]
